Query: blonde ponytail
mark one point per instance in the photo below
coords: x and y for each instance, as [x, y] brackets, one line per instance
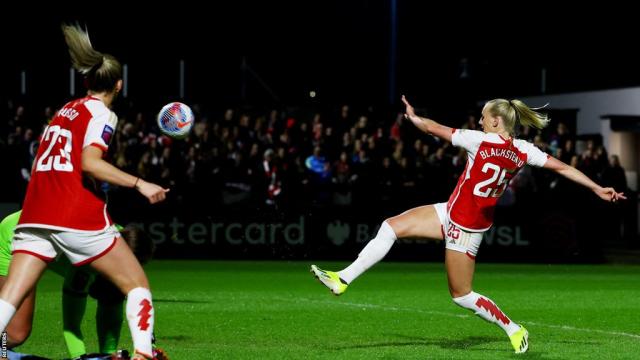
[515, 111]
[101, 71]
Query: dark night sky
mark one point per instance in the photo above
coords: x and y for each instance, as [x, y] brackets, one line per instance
[338, 48]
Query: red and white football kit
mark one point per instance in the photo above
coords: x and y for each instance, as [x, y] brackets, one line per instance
[491, 162]
[64, 210]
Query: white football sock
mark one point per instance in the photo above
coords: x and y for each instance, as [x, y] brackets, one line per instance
[140, 315]
[488, 310]
[6, 313]
[375, 250]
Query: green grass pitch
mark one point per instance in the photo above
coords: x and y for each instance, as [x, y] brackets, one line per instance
[277, 310]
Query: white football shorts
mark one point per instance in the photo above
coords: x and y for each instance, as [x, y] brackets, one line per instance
[79, 248]
[456, 238]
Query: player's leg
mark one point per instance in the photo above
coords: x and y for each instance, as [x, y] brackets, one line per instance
[74, 304]
[121, 267]
[32, 250]
[111, 256]
[109, 312]
[24, 272]
[19, 327]
[422, 221]
[108, 323]
[460, 269]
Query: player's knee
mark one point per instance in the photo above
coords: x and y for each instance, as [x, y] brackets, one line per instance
[398, 226]
[131, 281]
[141, 281]
[17, 337]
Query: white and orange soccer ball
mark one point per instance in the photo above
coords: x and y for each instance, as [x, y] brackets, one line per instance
[175, 120]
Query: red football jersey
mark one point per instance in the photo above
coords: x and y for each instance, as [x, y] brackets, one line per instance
[491, 162]
[59, 196]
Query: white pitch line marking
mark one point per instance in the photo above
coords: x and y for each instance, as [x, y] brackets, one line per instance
[443, 313]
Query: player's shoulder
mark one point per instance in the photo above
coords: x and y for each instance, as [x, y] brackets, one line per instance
[96, 107]
[523, 145]
[97, 110]
[84, 108]
[468, 134]
[535, 156]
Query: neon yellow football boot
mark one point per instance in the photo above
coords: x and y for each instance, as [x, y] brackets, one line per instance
[330, 279]
[520, 340]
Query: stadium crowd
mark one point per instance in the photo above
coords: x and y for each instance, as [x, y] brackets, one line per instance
[288, 159]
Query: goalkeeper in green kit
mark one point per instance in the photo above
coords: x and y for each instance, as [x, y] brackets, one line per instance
[79, 283]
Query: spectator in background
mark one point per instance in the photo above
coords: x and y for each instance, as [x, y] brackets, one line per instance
[621, 218]
[342, 179]
[394, 132]
[471, 123]
[614, 174]
[398, 151]
[342, 170]
[560, 137]
[315, 162]
[347, 142]
[569, 151]
[344, 120]
[362, 127]
[271, 177]
[387, 178]
[601, 160]
[320, 173]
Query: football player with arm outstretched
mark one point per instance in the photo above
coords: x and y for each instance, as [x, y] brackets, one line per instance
[494, 156]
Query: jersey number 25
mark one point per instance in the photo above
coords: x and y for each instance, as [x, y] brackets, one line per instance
[491, 187]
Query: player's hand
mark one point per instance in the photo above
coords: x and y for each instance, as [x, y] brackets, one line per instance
[409, 112]
[610, 194]
[154, 193]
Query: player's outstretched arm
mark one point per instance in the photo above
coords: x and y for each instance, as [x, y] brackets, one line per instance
[427, 125]
[577, 176]
[95, 166]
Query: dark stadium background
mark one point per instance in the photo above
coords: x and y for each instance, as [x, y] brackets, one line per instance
[341, 49]
[448, 58]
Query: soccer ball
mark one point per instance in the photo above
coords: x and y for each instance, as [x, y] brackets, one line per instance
[175, 120]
